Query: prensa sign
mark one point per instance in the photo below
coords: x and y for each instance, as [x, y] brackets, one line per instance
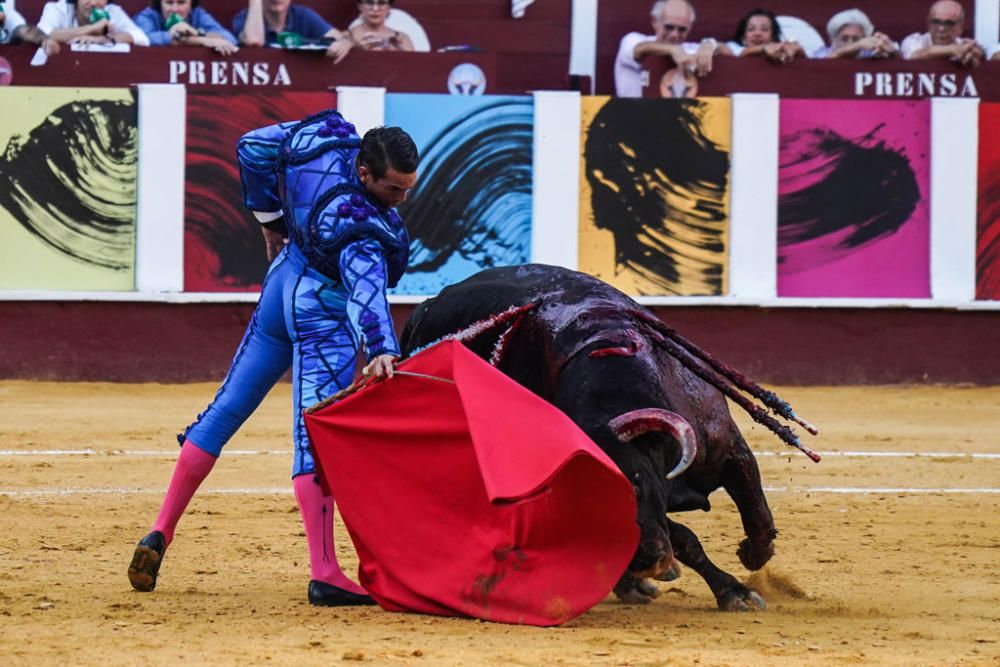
[228, 73]
[914, 84]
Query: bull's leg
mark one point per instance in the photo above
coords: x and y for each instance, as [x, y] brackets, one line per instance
[729, 593]
[740, 476]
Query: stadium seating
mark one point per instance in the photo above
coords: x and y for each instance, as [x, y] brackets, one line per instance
[718, 18]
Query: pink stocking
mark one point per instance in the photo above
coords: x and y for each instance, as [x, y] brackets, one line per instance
[193, 466]
[317, 517]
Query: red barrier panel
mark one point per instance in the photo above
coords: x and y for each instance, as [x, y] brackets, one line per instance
[254, 68]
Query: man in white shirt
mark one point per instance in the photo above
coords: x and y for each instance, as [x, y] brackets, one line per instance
[943, 39]
[70, 22]
[671, 21]
[14, 29]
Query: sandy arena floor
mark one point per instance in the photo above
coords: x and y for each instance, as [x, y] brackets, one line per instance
[873, 565]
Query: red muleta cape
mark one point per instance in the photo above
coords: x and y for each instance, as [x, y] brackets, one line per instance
[468, 495]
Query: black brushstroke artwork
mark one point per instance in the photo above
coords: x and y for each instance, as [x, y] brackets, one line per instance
[473, 198]
[839, 194]
[659, 185]
[988, 245]
[71, 181]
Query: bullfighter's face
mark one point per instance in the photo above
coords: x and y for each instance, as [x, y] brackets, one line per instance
[392, 189]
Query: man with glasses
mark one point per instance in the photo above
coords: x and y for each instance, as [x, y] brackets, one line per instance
[672, 21]
[943, 39]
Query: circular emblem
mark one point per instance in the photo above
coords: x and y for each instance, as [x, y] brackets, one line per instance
[6, 72]
[678, 83]
[467, 79]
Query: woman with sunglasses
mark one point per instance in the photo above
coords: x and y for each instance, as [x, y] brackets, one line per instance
[373, 34]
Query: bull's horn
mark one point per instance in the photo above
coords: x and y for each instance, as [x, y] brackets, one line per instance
[633, 424]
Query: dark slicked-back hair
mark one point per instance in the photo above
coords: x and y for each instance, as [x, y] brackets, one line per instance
[384, 147]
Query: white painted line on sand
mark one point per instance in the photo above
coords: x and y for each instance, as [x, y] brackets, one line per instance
[279, 491]
[865, 490]
[98, 490]
[172, 454]
[149, 453]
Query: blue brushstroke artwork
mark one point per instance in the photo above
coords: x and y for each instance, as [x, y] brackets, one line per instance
[471, 208]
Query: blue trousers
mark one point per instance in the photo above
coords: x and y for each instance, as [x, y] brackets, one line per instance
[300, 321]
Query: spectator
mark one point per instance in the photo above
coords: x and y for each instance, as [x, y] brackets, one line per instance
[943, 39]
[267, 22]
[14, 30]
[758, 34]
[373, 34]
[90, 22]
[184, 23]
[671, 21]
[852, 35]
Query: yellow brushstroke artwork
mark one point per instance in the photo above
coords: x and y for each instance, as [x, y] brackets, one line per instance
[68, 161]
[654, 195]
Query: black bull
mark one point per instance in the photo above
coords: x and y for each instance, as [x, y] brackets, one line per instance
[650, 399]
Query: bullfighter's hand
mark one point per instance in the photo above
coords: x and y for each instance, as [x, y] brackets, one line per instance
[380, 366]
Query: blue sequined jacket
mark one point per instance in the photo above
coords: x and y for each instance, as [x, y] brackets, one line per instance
[307, 171]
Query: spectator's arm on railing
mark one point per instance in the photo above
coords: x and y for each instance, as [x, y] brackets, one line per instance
[32, 35]
[252, 33]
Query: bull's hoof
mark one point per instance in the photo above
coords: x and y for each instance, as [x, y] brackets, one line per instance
[634, 596]
[633, 590]
[671, 573]
[648, 588]
[742, 601]
[755, 556]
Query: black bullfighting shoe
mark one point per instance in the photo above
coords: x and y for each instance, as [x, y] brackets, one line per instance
[323, 594]
[146, 561]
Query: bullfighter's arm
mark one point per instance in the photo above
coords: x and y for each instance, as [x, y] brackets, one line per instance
[363, 271]
[257, 152]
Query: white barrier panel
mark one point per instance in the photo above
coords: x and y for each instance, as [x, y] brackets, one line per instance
[555, 207]
[583, 41]
[159, 243]
[365, 107]
[954, 157]
[753, 206]
[987, 22]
